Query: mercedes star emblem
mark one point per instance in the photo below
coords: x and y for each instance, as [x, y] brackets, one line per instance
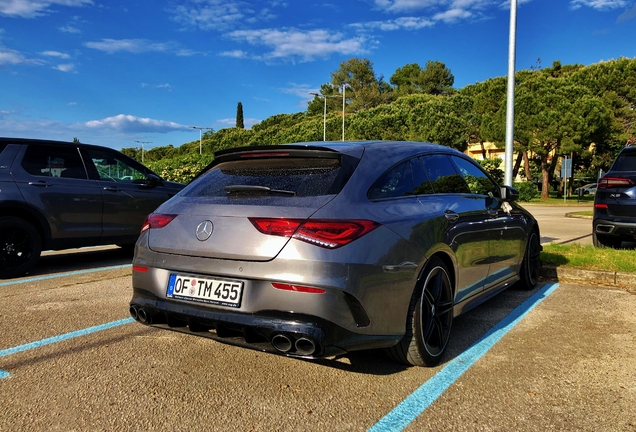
[204, 230]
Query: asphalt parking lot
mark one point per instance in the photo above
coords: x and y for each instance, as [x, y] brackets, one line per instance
[557, 358]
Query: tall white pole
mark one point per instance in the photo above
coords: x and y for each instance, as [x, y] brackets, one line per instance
[324, 121]
[510, 109]
[344, 86]
[200, 142]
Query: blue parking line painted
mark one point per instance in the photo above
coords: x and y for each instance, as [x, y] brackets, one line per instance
[60, 338]
[74, 273]
[411, 407]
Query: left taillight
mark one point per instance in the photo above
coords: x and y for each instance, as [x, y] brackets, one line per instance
[157, 220]
[614, 182]
[330, 234]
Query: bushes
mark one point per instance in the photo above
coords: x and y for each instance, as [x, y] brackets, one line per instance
[181, 169]
[527, 190]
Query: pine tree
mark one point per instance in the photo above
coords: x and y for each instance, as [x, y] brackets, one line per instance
[239, 116]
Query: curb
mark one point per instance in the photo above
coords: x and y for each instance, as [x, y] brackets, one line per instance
[577, 216]
[594, 277]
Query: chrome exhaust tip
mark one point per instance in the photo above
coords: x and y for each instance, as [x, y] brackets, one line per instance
[305, 346]
[142, 316]
[134, 313]
[282, 343]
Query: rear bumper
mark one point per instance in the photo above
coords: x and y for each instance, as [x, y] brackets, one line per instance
[615, 228]
[308, 336]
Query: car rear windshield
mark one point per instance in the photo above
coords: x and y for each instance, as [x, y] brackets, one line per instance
[287, 176]
[625, 162]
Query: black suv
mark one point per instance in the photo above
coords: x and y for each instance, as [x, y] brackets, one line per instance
[59, 195]
[615, 202]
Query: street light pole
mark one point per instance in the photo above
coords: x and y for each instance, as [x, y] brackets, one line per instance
[142, 148]
[510, 105]
[324, 116]
[200, 136]
[324, 113]
[344, 86]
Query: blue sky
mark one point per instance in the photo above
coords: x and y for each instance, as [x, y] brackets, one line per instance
[116, 72]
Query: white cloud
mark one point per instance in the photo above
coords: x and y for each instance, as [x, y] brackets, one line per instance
[600, 4]
[235, 54]
[403, 23]
[68, 67]
[129, 123]
[408, 5]
[627, 15]
[306, 45]
[452, 15]
[55, 54]
[134, 46]
[69, 29]
[13, 57]
[35, 8]
[231, 122]
[220, 15]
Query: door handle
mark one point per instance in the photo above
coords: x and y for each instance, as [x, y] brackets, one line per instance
[112, 189]
[40, 184]
[451, 215]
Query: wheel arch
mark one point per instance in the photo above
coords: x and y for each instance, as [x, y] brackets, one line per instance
[29, 214]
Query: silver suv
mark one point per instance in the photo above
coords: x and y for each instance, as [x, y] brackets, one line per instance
[59, 195]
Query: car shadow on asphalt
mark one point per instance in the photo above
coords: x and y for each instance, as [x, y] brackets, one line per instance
[467, 329]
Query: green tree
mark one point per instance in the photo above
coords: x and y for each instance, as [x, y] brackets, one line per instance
[239, 116]
[364, 89]
[556, 116]
[435, 79]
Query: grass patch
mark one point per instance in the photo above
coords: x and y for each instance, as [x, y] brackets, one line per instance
[553, 199]
[589, 257]
[589, 213]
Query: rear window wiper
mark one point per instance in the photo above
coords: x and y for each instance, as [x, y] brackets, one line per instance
[256, 190]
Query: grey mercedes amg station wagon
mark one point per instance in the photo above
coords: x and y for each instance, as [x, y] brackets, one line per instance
[313, 250]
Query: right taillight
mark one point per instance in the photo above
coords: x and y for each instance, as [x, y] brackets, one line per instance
[614, 182]
[326, 233]
[157, 220]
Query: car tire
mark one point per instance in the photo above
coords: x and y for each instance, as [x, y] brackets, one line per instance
[606, 241]
[429, 319]
[531, 265]
[20, 247]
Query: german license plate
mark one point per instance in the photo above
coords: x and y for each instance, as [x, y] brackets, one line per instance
[223, 292]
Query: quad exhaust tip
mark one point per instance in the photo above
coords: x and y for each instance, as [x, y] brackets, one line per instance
[305, 346]
[282, 343]
[302, 346]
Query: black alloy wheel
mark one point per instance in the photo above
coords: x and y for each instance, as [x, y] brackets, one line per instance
[429, 319]
[20, 247]
[531, 266]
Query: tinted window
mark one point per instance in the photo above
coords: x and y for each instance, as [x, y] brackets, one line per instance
[291, 176]
[626, 161]
[394, 183]
[112, 167]
[477, 180]
[443, 176]
[420, 179]
[53, 161]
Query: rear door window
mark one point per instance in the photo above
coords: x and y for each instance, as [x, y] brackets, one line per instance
[443, 175]
[289, 176]
[54, 161]
[396, 182]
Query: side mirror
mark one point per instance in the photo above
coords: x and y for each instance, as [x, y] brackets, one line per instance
[153, 180]
[509, 194]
